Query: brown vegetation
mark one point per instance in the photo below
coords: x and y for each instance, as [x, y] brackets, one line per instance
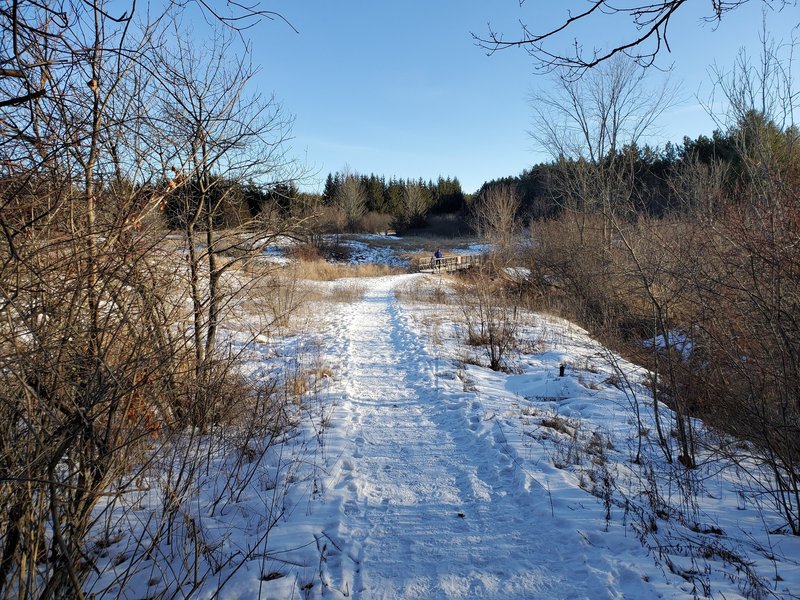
[490, 315]
[322, 270]
[106, 373]
[708, 300]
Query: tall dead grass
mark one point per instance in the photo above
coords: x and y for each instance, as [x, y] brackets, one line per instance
[425, 293]
[321, 270]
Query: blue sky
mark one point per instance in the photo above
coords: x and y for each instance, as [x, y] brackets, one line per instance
[401, 89]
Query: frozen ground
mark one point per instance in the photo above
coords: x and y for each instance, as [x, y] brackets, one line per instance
[364, 252]
[424, 475]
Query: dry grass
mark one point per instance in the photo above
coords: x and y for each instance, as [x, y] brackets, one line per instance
[345, 292]
[321, 270]
[424, 293]
[300, 383]
[306, 252]
[286, 297]
[559, 424]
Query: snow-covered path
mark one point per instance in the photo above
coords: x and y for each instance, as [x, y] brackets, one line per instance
[415, 472]
[427, 504]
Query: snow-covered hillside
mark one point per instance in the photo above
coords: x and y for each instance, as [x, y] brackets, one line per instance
[421, 474]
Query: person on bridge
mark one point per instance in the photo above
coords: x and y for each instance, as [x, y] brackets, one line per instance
[436, 260]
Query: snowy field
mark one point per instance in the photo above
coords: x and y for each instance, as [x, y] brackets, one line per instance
[419, 473]
[380, 249]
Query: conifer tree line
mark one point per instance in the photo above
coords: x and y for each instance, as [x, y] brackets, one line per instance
[391, 203]
[406, 203]
[652, 171]
[388, 196]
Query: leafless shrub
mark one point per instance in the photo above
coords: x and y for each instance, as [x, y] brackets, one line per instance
[107, 381]
[308, 252]
[495, 218]
[270, 295]
[491, 317]
[375, 222]
[81, 404]
[573, 274]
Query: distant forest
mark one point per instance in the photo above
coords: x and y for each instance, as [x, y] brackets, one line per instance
[348, 202]
[653, 172]
[354, 202]
[390, 196]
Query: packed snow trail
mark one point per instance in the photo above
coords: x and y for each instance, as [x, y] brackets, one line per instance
[427, 504]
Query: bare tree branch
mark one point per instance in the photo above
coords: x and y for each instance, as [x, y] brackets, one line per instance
[243, 15]
[649, 24]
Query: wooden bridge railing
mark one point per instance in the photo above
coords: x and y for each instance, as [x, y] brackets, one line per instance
[448, 264]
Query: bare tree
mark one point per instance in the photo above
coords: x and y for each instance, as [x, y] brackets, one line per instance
[351, 199]
[746, 290]
[495, 217]
[614, 105]
[763, 84]
[81, 331]
[92, 358]
[589, 126]
[218, 136]
[236, 16]
[592, 127]
[415, 205]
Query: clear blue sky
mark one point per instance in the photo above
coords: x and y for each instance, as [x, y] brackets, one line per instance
[400, 88]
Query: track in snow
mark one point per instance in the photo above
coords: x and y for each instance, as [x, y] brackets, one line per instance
[427, 504]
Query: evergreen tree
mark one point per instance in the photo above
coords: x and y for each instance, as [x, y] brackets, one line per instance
[283, 195]
[395, 192]
[329, 193]
[255, 197]
[374, 188]
[447, 196]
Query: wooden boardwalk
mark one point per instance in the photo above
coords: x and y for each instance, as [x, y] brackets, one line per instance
[448, 264]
